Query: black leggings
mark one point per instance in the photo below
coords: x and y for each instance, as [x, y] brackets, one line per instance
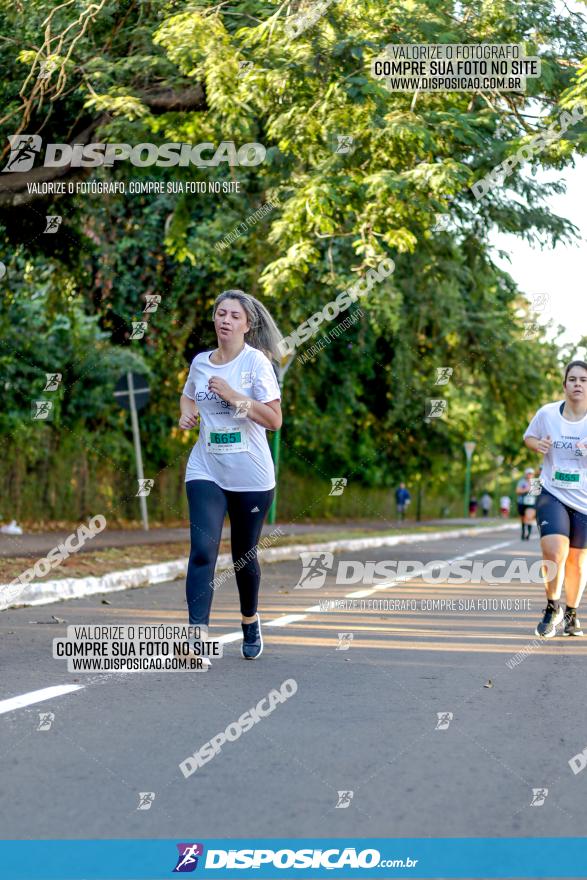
[208, 505]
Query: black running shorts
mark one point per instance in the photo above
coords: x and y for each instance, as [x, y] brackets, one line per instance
[556, 518]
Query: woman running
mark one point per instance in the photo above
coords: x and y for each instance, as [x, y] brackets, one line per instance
[559, 432]
[234, 392]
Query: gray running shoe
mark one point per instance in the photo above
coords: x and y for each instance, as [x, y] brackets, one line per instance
[551, 619]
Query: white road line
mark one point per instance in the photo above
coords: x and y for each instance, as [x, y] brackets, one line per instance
[287, 618]
[38, 696]
[284, 620]
[230, 637]
[279, 621]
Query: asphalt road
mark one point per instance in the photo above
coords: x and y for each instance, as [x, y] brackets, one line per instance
[363, 720]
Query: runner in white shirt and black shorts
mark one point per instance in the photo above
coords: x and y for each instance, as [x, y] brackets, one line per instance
[559, 432]
[235, 394]
[526, 502]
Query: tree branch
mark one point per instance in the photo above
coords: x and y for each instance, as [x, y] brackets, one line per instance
[14, 187]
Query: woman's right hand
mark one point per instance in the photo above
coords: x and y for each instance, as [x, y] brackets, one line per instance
[188, 420]
[544, 445]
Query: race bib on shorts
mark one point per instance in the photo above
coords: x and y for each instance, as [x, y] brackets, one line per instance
[230, 439]
[569, 478]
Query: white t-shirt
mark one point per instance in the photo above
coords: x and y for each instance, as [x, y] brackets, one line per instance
[564, 472]
[232, 450]
[505, 501]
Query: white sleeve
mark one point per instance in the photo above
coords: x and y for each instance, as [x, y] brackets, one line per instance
[189, 389]
[536, 427]
[265, 384]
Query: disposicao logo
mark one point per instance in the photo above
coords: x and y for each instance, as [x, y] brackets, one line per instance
[187, 859]
[25, 148]
[300, 858]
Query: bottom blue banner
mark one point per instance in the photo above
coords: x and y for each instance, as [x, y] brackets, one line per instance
[286, 857]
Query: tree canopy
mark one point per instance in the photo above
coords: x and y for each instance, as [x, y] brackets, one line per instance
[195, 72]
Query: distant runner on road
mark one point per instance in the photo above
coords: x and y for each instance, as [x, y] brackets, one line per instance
[402, 499]
[559, 432]
[505, 503]
[526, 502]
[486, 502]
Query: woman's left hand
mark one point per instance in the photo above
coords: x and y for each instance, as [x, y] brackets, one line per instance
[222, 389]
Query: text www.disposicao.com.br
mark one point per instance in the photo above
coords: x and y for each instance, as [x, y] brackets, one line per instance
[109, 664]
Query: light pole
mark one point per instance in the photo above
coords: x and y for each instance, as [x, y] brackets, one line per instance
[515, 477]
[499, 459]
[469, 449]
[281, 370]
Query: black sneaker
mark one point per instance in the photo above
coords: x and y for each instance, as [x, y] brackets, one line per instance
[252, 646]
[572, 625]
[547, 626]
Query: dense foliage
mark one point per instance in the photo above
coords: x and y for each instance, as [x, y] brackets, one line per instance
[155, 72]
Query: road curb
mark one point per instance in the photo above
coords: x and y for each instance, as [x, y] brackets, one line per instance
[46, 592]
